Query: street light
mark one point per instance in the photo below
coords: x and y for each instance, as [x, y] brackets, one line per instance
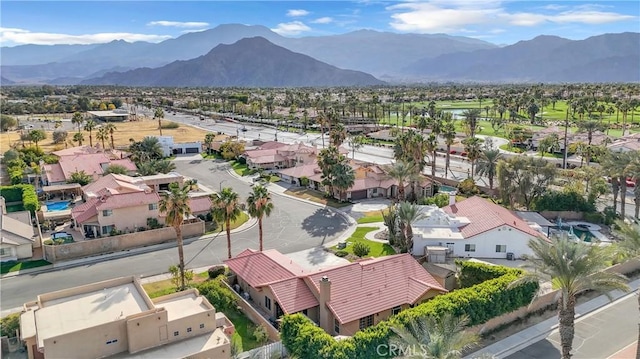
[221, 182]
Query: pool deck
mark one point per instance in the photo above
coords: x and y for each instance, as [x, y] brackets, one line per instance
[594, 229]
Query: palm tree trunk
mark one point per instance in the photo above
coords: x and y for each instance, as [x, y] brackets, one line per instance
[566, 326]
[180, 256]
[433, 164]
[260, 231]
[623, 195]
[160, 126]
[446, 164]
[228, 229]
[112, 146]
[90, 139]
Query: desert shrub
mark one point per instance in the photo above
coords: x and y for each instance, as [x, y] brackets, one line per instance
[9, 325]
[175, 276]
[468, 187]
[219, 295]
[170, 125]
[361, 249]
[341, 253]
[216, 271]
[59, 136]
[260, 333]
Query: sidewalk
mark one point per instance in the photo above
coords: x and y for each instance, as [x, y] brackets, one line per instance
[533, 334]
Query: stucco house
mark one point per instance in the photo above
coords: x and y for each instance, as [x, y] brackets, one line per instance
[92, 161]
[117, 319]
[341, 299]
[17, 235]
[474, 227]
[277, 155]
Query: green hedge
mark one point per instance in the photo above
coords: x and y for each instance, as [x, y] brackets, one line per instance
[481, 302]
[220, 296]
[21, 192]
[472, 273]
[563, 201]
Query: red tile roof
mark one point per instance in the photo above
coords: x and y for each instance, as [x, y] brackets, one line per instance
[307, 170]
[262, 268]
[200, 204]
[485, 216]
[54, 173]
[85, 211]
[371, 286]
[116, 184]
[127, 200]
[293, 295]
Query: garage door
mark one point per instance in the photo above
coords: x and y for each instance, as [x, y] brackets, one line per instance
[192, 150]
[359, 194]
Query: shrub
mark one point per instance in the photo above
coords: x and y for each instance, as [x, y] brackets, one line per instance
[175, 276]
[594, 217]
[9, 325]
[260, 333]
[216, 271]
[440, 200]
[169, 125]
[21, 192]
[59, 136]
[341, 253]
[361, 249]
[563, 201]
[48, 242]
[236, 344]
[472, 273]
[219, 295]
[468, 187]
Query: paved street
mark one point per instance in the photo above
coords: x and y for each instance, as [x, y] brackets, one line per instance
[596, 336]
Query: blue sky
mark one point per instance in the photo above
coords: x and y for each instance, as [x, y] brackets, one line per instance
[499, 22]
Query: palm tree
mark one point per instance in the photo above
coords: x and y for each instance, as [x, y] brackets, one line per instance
[337, 135]
[159, 114]
[401, 171]
[589, 127]
[259, 205]
[78, 137]
[431, 146]
[449, 134]
[473, 148]
[343, 179]
[77, 119]
[407, 214]
[102, 135]
[175, 205]
[89, 126]
[111, 128]
[471, 120]
[437, 338]
[488, 164]
[574, 267]
[226, 208]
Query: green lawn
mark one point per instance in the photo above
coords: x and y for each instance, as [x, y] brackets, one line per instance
[377, 249]
[372, 217]
[7, 267]
[242, 219]
[240, 169]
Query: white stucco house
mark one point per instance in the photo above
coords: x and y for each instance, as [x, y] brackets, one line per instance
[474, 227]
[169, 147]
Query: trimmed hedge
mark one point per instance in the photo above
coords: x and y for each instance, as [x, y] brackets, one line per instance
[472, 273]
[481, 302]
[21, 192]
[221, 297]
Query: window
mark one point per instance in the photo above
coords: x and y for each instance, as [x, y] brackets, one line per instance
[304, 311]
[469, 247]
[501, 248]
[3, 252]
[366, 321]
[176, 333]
[396, 310]
[107, 229]
[112, 341]
[153, 206]
[201, 326]
[375, 191]
[189, 330]
[336, 326]
[267, 302]
[107, 212]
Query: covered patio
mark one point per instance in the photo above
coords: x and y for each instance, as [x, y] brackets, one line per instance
[67, 190]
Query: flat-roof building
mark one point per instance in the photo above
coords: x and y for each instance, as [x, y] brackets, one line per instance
[117, 318]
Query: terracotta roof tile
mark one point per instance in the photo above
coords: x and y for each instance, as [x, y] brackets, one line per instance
[54, 173]
[200, 204]
[485, 216]
[371, 286]
[307, 170]
[293, 295]
[261, 268]
[127, 200]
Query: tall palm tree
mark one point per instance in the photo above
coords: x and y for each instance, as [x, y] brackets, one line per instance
[78, 137]
[159, 115]
[77, 119]
[471, 120]
[175, 205]
[89, 126]
[407, 214]
[574, 267]
[431, 146]
[449, 135]
[589, 127]
[402, 172]
[474, 149]
[488, 164]
[102, 135]
[226, 208]
[436, 338]
[111, 128]
[344, 178]
[259, 205]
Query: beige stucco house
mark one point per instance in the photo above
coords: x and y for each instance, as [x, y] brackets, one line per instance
[276, 155]
[17, 236]
[117, 319]
[342, 299]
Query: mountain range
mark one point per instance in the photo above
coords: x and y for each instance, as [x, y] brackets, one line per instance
[405, 58]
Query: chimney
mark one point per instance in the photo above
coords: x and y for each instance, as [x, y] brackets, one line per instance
[326, 319]
[452, 198]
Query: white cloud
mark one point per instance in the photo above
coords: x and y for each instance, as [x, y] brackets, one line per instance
[291, 28]
[323, 20]
[457, 15]
[187, 24]
[297, 12]
[21, 36]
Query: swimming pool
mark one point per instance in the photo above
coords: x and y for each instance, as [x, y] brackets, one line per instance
[57, 206]
[60, 235]
[446, 189]
[581, 233]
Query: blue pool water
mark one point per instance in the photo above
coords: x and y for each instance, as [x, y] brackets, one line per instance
[57, 206]
[446, 189]
[60, 235]
[583, 234]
